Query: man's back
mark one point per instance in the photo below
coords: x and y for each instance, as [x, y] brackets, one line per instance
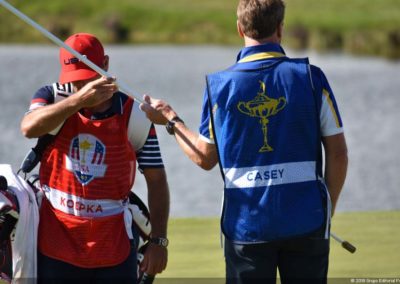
[266, 124]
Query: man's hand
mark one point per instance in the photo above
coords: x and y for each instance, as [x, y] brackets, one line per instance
[96, 92]
[155, 259]
[158, 111]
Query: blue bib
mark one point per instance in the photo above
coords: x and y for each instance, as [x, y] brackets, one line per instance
[267, 130]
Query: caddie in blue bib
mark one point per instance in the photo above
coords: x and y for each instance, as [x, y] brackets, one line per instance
[265, 118]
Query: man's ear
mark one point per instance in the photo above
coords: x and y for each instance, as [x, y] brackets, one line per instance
[106, 62]
[239, 29]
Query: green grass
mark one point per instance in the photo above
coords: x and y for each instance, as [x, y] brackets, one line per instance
[360, 26]
[195, 251]
[377, 238]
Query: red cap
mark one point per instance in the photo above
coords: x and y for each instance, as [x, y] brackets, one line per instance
[72, 69]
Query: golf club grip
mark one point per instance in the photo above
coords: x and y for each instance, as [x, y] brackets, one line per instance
[348, 246]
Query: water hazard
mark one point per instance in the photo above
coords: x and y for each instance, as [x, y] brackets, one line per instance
[367, 91]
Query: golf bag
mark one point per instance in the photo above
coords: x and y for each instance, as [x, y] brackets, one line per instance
[19, 219]
[8, 219]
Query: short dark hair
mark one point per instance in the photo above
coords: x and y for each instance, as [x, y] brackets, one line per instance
[259, 19]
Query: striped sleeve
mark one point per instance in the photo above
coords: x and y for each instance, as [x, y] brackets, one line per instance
[149, 156]
[330, 120]
[42, 97]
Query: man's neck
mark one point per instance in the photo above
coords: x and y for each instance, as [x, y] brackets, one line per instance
[276, 38]
[253, 42]
[101, 107]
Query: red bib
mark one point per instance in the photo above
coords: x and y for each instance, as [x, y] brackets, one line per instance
[86, 174]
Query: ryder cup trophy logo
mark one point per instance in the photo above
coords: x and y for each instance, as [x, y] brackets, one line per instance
[86, 158]
[263, 107]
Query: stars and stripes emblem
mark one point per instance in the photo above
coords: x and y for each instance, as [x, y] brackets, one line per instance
[75, 149]
[98, 154]
[86, 158]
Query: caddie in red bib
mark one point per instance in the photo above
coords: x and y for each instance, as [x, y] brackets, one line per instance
[98, 138]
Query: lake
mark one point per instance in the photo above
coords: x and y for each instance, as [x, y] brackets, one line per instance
[367, 91]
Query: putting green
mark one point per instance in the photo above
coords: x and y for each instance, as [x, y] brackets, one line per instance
[195, 251]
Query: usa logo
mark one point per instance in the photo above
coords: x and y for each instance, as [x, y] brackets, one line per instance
[86, 158]
[72, 60]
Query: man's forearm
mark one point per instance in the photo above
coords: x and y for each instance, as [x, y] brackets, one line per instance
[158, 200]
[200, 152]
[159, 210]
[44, 119]
[335, 166]
[335, 175]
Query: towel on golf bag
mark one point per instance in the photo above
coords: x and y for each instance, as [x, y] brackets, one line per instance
[24, 244]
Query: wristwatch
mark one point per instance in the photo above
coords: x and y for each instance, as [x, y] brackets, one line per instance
[170, 124]
[160, 241]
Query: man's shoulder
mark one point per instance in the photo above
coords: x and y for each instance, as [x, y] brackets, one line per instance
[318, 77]
[42, 97]
[44, 92]
[315, 70]
[218, 72]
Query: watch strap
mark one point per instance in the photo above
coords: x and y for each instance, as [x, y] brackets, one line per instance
[170, 124]
[160, 241]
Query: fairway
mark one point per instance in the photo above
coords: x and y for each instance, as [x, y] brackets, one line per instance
[195, 250]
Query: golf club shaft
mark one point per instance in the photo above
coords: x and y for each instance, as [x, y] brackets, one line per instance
[345, 244]
[122, 87]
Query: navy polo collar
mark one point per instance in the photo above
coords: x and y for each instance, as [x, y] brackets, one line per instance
[259, 52]
[116, 108]
[117, 104]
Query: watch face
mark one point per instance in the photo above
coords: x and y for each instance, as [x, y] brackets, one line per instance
[164, 242]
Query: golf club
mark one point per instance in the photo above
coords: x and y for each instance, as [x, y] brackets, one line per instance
[123, 87]
[345, 244]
